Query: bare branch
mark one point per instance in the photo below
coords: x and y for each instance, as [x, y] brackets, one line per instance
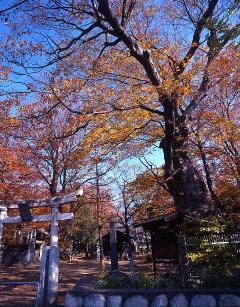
[13, 6]
[197, 35]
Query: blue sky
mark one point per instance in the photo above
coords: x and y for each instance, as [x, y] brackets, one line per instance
[154, 156]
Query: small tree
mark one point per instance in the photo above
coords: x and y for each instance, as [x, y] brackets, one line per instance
[83, 227]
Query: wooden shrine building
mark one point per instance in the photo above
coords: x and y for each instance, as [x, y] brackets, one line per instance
[122, 240]
[164, 240]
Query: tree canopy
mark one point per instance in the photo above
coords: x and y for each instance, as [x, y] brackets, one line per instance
[123, 77]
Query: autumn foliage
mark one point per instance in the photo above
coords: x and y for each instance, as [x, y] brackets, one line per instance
[121, 78]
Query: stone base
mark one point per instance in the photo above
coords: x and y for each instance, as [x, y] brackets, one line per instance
[153, 298]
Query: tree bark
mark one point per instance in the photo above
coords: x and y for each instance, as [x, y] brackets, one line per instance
[185, 184]
[209, 182]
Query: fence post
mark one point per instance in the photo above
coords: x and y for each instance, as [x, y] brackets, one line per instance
[154, 261]
[41, 297]
[181, 256]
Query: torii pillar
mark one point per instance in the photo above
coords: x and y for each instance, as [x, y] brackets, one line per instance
[52, 287]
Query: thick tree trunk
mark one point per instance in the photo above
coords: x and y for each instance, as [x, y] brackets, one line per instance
[187, 187]
[182, 178]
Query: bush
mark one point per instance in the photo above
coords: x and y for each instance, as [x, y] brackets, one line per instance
[158, 281]
[122, 280]
[115, 280]
[221, 280]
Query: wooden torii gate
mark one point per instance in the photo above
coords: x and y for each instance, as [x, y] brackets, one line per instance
[55, 216]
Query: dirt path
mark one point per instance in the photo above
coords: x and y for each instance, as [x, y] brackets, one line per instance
[84, 271]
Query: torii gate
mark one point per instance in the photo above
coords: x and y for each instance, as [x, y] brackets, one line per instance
[55, 216]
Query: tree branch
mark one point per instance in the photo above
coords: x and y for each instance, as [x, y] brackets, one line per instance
[196, 36]
[13, 6]
[143, 56]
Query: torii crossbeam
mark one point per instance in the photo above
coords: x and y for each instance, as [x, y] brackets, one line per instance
[54, 217]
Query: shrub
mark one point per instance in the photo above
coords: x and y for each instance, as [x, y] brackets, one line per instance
[158, 281]
[221, 280]
[115, 280]
[122, 280]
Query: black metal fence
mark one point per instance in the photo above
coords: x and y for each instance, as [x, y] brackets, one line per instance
[203, 254]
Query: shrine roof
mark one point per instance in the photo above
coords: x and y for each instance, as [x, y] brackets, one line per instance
[158, 220]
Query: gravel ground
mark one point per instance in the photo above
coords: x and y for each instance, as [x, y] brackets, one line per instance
[84, 272]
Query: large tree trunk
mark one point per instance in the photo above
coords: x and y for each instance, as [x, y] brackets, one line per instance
[187, 187]
[184, 182]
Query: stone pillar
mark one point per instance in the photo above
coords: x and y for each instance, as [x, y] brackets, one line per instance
[52, 288]
[3, 214]
[113, 246]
